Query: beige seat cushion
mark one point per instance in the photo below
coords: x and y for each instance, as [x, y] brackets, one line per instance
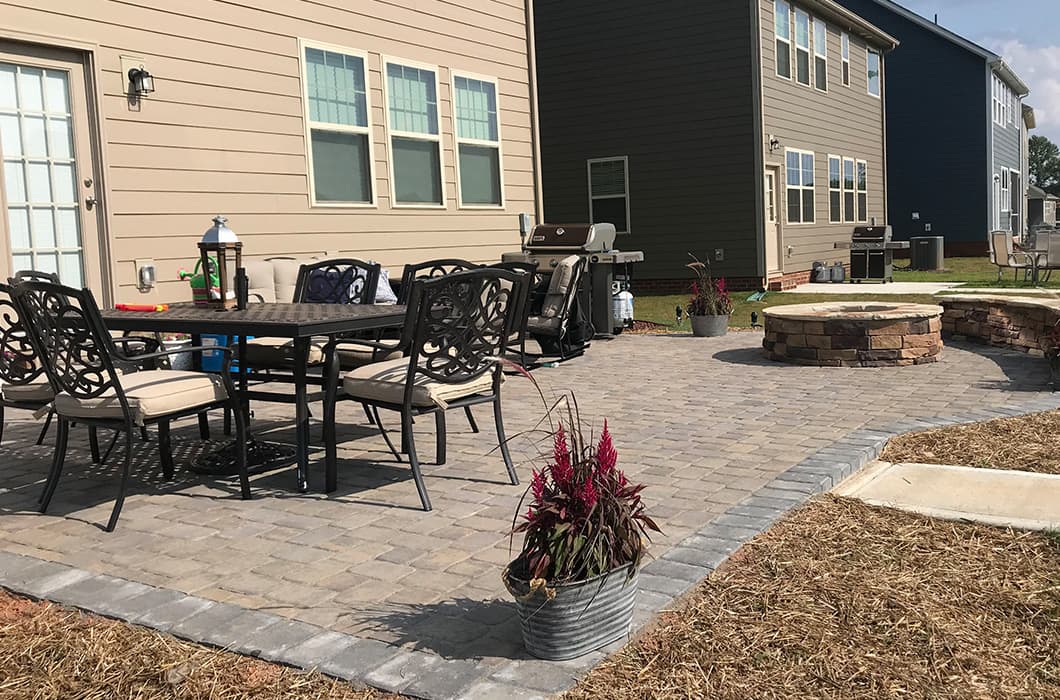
[151, 395]
[38, 391]
[558, 286]
[353, 356]
[261, 281]
[539, 324]
[385, 382]
[265, 353]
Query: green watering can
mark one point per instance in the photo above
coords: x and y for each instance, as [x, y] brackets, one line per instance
[201, 294]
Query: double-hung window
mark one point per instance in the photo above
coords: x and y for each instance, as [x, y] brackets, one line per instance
[800, 194]
[415, 143]
[863, 191]
[848, 190]
[782, 24]
[478, 141]
[835, 192]
[820, 54]
[872, 72]
[338, 129]
[802, 46]
[845, 48]
[609, 192]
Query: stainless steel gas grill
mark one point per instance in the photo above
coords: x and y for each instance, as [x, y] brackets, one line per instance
[872, 253]
[606, 287]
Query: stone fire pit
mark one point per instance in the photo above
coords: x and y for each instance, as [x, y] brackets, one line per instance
[852, 334]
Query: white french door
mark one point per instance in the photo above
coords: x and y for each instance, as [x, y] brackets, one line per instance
[46, 183]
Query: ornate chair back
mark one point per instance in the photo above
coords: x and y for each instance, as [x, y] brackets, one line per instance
[430, 269]
[341, 281]
[19, 362]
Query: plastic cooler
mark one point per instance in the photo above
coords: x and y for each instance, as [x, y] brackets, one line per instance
[213, 359]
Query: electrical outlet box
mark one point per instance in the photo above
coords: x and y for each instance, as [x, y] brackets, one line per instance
[146, 275]
[524, 224]
[927, 227]
[719, 254]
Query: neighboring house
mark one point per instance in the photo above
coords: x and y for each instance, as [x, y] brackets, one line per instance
[954, 133]
[688, 130]
[390, 130]
[1041, 207]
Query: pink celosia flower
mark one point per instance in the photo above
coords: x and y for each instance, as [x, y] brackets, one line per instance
[606, 455]
[562, 471]
[537, 486]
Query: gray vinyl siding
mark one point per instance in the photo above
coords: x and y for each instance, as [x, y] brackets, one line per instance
[844, 121]
[1005, 155]
[673, 91]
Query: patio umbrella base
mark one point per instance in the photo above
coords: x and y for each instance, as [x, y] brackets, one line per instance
[261, 457]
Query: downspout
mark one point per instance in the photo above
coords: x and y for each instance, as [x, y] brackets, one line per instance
[758, 130]
[535, 123]
[883, 131]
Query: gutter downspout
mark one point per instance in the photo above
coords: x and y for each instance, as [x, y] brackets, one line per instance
[758, 161]
[535, 122]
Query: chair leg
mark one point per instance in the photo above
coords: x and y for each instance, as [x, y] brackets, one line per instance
[368, 413]
[61, 440]
[386, 433]
[227, 428]
[44, 430]
[241, 451]
[502, 440]
[1, 423]
[165, 450]
[204, 426]
[144, 435]
[124, 483]
[93, 444]
[414, 462]
[471, 419]
[440, 441]
[110, 447]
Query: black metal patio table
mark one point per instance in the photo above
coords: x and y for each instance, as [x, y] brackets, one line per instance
[299, 322]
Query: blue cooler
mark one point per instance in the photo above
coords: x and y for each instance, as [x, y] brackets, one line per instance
[213, 359]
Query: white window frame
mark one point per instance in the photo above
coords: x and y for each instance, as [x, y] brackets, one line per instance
[589, 179]
[787, 40]
[819, 24]
[309, 125]
[457, 140]
[851, 216]
[869, 51]
[808, 48]
[1005, 203]
[862, 211]
[391, 133]
[838, 190]
[844, 41]
[801, 187]
[1019, 201]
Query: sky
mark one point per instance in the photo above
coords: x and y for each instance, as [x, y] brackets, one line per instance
[1026, 33]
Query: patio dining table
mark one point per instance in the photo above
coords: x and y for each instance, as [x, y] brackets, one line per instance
[299, 322]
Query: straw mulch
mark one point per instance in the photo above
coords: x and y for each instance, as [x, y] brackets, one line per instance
[1027, 443]
[844, 600]
[48, 652]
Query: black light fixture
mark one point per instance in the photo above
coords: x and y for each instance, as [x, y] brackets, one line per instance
[140, 81]
[774, 144]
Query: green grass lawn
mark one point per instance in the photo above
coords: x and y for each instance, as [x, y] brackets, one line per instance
[974, 272]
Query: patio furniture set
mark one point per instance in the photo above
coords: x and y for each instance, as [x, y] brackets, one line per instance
[440, 347]
[1040, 254]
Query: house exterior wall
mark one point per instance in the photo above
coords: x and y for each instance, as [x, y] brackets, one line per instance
[845, 121]
[1006, 154]
[671, 90]
[224, 130]
[938, 124]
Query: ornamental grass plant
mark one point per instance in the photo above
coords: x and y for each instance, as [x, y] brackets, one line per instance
[710, 296]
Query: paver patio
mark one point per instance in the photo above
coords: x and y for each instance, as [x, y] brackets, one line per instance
[705, 423]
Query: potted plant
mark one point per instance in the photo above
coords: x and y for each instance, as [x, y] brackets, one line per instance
[710, 306]
[575, 580]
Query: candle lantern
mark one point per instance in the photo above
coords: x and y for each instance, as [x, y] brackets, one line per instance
[219, 251]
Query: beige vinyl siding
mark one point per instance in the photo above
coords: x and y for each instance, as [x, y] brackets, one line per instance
[845, 122]
[224, 133]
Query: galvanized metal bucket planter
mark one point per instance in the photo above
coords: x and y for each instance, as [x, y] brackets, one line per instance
[572, 619]
[709, 326]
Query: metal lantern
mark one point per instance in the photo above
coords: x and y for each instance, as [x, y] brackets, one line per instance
[218, 248]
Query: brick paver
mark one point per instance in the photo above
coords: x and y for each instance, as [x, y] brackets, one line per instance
[708, 424]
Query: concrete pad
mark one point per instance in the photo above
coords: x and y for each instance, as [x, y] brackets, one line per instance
[848, 288]
[1015, 291]
[1000, 497]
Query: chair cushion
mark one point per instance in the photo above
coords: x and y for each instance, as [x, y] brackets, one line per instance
[265, 353]
[261, 280]
[353, 356]
[558, 286]
[286, 272]
[151, 394]
[538, 324]
[385, 382]
[38, 391]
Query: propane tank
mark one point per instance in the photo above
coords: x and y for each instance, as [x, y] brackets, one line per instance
[622, 308]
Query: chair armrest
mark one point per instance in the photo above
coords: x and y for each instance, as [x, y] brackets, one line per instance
[151, 344]
[374, 344]
[176, 351]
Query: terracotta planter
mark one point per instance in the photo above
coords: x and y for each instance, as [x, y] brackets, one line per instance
[709, 326]
[572, 619]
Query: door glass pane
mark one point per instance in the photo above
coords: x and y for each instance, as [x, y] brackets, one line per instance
[55, 92]
[18, 225]
[34, 143]
[63, 178]
[43, 228]
[21, 262]
[15, 181]
[340, 167]
[417, 172]
[59, 138]
[10, 141]
[40, 188]
[66, 228]
[70, 269]
[8, 91]
[31, 89]
[47, 262]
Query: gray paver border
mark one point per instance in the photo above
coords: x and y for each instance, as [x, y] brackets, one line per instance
[392, 669]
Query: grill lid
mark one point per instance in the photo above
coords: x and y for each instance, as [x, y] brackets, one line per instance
[871, 233]
[590, 238]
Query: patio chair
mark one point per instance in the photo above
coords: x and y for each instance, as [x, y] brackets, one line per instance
[1049, 241]
[560, 325]
[456, 329]
[23, 383]
[98, 385]
[1004, 255]
[428, 270]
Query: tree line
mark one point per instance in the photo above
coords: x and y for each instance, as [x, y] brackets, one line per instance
[1044, 165]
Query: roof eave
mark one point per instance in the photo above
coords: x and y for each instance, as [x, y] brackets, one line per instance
[855, 23]
[1010, 77]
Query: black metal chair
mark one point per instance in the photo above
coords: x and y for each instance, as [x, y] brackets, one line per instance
[96, 384]
[23, 382]
[560, 324]
[456, 330]
[429, 270]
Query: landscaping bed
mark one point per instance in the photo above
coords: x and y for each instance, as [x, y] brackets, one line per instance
[844, 600]
[1026, 443]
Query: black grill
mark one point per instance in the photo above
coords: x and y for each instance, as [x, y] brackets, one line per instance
[872, 253]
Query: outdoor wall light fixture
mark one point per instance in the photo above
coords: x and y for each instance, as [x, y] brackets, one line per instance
[774, 144]
[141, 82]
